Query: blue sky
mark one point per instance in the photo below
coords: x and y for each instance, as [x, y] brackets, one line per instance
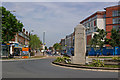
[57, 19]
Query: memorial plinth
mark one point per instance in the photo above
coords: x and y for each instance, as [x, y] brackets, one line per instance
[79, 45]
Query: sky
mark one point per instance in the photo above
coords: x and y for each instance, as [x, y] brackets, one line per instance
[56, 19]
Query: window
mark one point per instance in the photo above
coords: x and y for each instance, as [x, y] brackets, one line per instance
[95, 29]
[85, 25]
[88, 24]
[116, 13]
[116, 20]
[95, 23]
[91, 24]
[104, 16]
[116, 27]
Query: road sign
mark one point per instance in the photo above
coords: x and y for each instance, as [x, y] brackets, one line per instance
[25, 49]
[23, 57]
[8, 44]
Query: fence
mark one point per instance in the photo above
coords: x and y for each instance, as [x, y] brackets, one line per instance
[105, 51]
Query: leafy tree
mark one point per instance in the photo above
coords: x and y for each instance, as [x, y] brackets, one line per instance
[93, 41]
[35, 42]
[0, 25]
[0, 30]
[10, 25]
[45, 47]
[115, 39]
[101, 38]
[98, 39]
[57, 46]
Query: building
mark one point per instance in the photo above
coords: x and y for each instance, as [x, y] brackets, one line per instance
[20, 40]
[69, 42]
[107, 20]
[112, 19]
[91, 23]
[62, 43]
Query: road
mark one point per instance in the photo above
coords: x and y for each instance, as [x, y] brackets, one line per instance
[42, 68]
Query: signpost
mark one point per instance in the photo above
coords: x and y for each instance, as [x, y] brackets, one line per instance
[7, 43]
[25, 50]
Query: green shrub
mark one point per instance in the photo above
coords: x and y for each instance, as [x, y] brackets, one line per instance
[98, 63]
[59, 59]
[63, 59]
[115, 58]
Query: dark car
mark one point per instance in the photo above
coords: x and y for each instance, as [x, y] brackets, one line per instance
[49, 53]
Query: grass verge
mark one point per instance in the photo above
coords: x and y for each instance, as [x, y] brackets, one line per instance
[32, 57]
[108, 66]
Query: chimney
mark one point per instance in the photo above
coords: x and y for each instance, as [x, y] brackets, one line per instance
[23, 30]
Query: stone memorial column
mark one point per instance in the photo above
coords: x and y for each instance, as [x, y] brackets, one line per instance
[79, 45]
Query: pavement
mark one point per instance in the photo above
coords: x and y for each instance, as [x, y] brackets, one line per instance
[42, 68]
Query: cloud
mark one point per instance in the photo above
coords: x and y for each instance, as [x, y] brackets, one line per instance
[57, 19]
[60, 0]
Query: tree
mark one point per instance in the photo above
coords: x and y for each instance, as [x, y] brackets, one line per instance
[10, 25]
[35, 42]
[101, 38]
[115, 39]
[98, 39]
[93, 41]
[57, 46]
[45, 47]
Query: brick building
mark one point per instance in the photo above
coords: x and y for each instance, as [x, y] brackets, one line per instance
[20, 40]
[112, 19]
[107, 20]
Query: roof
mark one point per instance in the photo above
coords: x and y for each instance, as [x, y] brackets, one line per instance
[112, 6]
[96, 13]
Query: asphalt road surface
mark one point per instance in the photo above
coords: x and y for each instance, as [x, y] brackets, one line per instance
[43, 69]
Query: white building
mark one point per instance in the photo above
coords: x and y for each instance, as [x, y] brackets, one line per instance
[91, 23]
